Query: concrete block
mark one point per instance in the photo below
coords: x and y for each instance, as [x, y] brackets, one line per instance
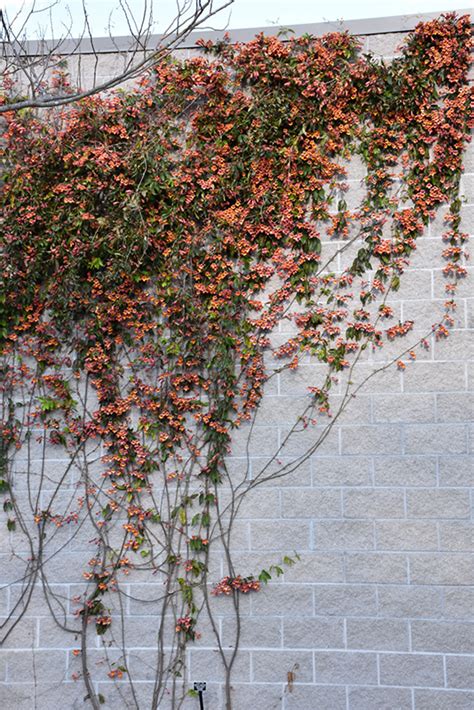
[279, 536]
[468, 159]
[404, 408]
[208, 665]
[20, 696]
[467, 186]
[274, 666]
[406, 535]
[119, 694]
[428, 252]
[467, 306]
[28, 695]
[464, 285]
[377, 634]
[260, 441]
[49, 473]
[141, 665]
[372, 503]
[301, 503]
[458, 602]
[295, 383]
[426, 312]
[371, 440]
[313, 633]
[4, 606]
[387, 381]
[381, 568]
[456, 471]
[411, 669]
[386, 45]
[257, 503]
[434, 377]
[238, 468]
[342, 471]
[455, 407]
[441, 569]
[405, 471]
[380, 699]
[317, 567]
[281, 471]
[356, 409]
[345, 600]
[23, 636]
[442, 636]
[435, 439]
[282, 410]
[254, 632]
[415, 285]
[459, 345]
[431, 503]
[443, 700]
[438, 226]
[345, 667]
[240, 536]
[460, 672]
[35, 605]
[354, 166]
[303, 697]
[356, 194]
[283, 599]
[139, 631]
[344, 535]
[317, 440]
[393, 350]
[456, 536]
[404, 601]
[67, 567]
[43, 665]
[251, 695]
[51, 635]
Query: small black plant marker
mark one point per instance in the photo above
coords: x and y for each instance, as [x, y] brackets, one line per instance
[200, 687]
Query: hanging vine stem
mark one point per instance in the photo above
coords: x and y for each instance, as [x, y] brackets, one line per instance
[155, 243]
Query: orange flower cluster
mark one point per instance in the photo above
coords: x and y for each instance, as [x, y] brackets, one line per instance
[244, 585]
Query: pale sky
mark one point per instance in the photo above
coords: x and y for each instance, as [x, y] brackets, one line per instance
[241, 14]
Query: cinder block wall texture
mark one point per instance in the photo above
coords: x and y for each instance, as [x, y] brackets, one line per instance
[378, 614]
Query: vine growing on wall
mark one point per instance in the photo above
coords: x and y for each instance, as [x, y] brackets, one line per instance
[154, 242]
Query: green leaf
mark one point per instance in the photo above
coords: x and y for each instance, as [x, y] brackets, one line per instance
[48, 404]
[96, 263]
[11, 524]
[107, 512]
[4, 486]
[101, 699]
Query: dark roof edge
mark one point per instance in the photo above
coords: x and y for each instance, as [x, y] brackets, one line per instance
[370, 26]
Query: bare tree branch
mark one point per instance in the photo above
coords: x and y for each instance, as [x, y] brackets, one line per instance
[32, 63]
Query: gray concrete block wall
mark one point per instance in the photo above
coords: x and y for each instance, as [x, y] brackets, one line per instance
[379, 612]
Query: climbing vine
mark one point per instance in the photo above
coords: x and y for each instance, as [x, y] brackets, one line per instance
[153, 243]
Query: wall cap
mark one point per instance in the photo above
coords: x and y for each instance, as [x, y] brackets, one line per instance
[363, 27]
